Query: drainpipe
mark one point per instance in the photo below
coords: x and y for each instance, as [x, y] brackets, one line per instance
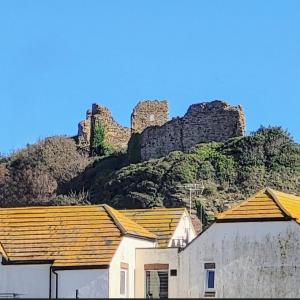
[56, 283]
[50, 290]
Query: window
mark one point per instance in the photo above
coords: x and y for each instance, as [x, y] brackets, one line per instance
[157, 284]
[123, 283]
[210, 279]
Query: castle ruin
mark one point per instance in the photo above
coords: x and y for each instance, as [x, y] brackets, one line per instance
[146, 113]
[151, 134]
[204, 122]
[149, 113]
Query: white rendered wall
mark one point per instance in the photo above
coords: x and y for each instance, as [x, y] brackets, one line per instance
[32, 281]
[91, 283]
[184, 230]
[125, 254]
[156, 256]
[253, 259]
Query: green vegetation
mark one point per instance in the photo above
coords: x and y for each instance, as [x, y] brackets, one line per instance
[52, 172]
[37, 173]
[98, 145]
[230, 171]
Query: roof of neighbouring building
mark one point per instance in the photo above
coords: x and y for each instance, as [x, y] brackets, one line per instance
[267, 204]
[160, 221]
[65, 235]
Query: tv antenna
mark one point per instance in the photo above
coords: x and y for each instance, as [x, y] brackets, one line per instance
[197, 188]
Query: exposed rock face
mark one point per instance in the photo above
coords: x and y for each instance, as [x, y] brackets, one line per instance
[203, 122]
[149, 113]
[115, 135]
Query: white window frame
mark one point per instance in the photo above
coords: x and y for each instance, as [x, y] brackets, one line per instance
[125, 295]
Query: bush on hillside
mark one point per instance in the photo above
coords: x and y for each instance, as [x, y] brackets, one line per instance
[38, 171]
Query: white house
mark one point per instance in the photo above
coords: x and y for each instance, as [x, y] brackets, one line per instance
[157, 269]
[82, 251]
[252, 250]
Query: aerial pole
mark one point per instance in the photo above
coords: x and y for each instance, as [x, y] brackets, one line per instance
[197, 187]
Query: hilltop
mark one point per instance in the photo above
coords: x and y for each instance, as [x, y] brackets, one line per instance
[54, 172]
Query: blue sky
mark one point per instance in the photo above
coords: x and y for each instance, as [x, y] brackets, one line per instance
[58, 57]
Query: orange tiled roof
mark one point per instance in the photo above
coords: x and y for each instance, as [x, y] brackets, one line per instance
[66, 235]
[160, 221]
[267, 204]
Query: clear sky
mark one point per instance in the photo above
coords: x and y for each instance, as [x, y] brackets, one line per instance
[58, 57]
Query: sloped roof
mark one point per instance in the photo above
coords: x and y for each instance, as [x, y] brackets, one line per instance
[66, 235]
[160, 221]
[2, 251]
[128, 226]
[266, 204]
[289, 203]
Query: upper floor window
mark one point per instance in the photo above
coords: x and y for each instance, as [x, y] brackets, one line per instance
[210, 278]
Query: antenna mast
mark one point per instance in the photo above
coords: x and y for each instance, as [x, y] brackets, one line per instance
[193, 187]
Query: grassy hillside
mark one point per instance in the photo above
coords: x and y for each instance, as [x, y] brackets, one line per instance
[230, 171]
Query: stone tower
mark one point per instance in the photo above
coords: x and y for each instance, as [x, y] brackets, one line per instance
[115, 134]
[149, 113]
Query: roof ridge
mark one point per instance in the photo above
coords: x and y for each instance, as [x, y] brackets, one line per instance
[272, 193]
[115, 219]
[53, 206]
[153, 208]
[113, 213]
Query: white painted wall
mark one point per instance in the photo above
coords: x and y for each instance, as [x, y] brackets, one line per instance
[156, 256]
[91, 283]
[125, 254]
[32, 281]
[184, 230]
[253, 259]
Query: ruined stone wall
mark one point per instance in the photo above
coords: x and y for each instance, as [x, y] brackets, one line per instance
[84, 133]
[203, 122]
[149, 113]
[115, 135]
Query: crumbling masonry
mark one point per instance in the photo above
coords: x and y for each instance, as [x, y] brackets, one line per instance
[149, 113]
[146, 113]
[203, 122]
